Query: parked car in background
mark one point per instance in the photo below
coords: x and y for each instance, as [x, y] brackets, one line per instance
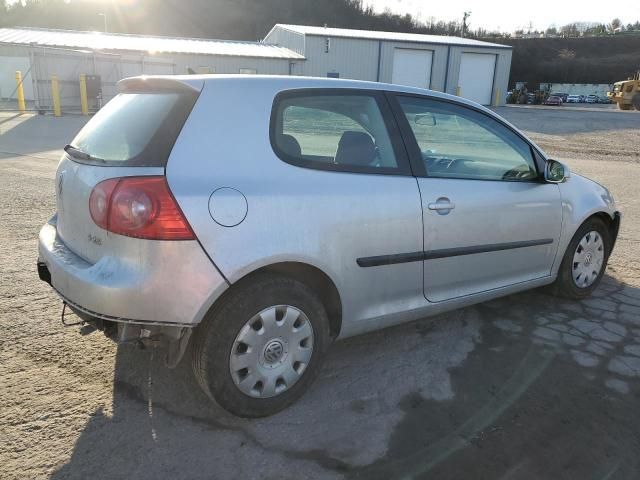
[563, 96]
[591, 99]
[315, 210]
[553, 100]
[573, 99]
[603, 100]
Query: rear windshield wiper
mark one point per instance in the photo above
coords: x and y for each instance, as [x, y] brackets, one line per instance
[80, 155]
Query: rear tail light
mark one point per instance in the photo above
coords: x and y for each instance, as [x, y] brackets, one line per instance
[141, 207]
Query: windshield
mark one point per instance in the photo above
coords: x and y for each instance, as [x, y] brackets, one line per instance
[137, 129]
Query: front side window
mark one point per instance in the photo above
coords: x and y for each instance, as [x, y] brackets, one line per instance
[458, 142]
[336, 132]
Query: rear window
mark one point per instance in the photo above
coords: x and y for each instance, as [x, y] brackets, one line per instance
[134, 129]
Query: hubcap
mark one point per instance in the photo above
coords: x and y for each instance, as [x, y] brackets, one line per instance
[588, 260]
[271, 351]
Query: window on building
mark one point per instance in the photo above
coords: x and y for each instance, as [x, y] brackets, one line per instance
[248, 71]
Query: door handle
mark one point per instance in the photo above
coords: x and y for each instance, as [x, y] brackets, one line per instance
[442, 205]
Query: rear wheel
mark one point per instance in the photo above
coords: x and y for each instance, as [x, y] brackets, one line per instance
[260, 349]
[636, 101]
[584, 261]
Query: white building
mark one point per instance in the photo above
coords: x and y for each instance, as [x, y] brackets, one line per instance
[40, 53]
[599, 89]
[473, 69]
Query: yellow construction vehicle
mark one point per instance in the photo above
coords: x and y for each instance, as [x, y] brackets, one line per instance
[627, 93]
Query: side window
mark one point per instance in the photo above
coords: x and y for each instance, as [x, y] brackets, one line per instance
[458, 142]
[332, 132]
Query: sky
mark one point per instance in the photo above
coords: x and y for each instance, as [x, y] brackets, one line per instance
[507, 16]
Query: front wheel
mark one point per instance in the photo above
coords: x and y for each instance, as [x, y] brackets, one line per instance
[584, 261]
[260, 349]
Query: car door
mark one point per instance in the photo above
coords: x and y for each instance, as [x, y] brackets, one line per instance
[489, 218]
[332, 188]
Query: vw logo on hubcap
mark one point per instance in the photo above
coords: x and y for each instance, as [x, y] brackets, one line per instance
[273, 351]
[587, 258]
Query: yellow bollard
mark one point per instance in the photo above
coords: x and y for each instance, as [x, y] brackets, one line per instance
[55, 95]
[20, 92]
[84, 104]
[458, 90]
[496, 102]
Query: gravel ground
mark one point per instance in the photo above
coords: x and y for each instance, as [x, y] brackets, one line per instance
[524, 387]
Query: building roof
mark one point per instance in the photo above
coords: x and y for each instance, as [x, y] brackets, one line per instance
[392, 36]
[141, 43]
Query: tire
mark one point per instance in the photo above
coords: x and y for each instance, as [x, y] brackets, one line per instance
[218, 347]
[636, 101]
[565, 285]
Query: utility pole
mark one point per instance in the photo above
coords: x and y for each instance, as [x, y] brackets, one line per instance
[104, 17]
[464, 23]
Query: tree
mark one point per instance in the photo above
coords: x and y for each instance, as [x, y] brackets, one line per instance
[615, 25]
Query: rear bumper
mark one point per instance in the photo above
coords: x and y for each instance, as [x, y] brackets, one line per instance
[169, 283]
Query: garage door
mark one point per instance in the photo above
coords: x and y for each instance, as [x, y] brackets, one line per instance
[476, 76]
[412, 67]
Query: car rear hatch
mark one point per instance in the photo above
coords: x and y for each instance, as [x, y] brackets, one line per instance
[132, 135]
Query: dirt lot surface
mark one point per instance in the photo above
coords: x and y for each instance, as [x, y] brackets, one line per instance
[525, 387]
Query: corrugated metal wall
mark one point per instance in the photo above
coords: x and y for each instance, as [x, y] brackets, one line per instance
[365, 59]
[355, 59]
[10, 61]
[361, 59]
[229, 64]
[38, 64]
[280, 36]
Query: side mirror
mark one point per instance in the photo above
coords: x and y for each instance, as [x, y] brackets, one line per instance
[555, 172]
[427, 119]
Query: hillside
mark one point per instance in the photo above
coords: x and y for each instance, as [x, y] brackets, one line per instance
[229, 19]
[574, 60]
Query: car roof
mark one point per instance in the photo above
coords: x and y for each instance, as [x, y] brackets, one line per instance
[279, 83]
[283, 82]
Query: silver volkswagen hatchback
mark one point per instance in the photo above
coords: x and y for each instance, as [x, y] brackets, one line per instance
[260, 218]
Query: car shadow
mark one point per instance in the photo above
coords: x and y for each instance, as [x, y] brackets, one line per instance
[26, 134]
[492, 385]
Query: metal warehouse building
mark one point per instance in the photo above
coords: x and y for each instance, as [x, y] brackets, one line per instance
[41, 53]
[471, 68]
